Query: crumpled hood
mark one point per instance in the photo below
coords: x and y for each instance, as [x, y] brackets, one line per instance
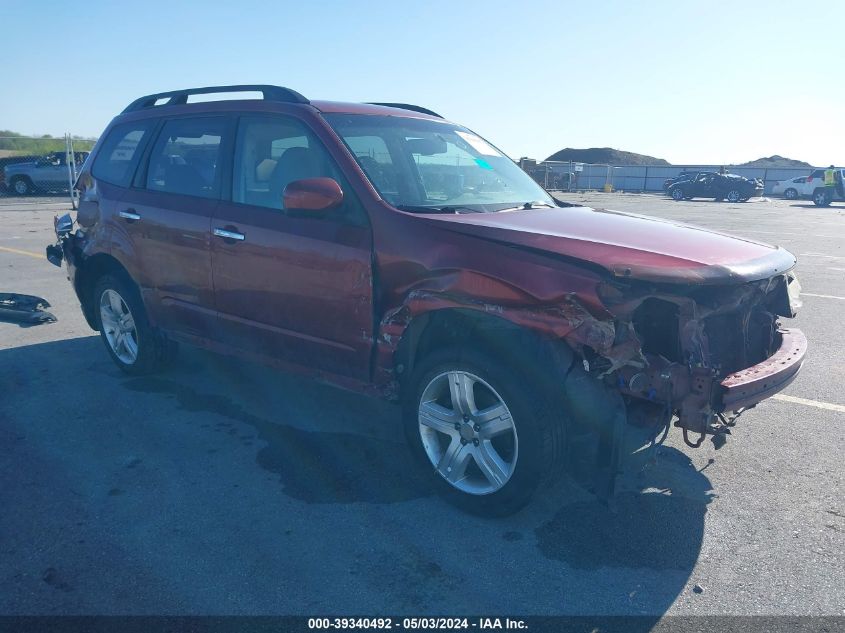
[627, 245]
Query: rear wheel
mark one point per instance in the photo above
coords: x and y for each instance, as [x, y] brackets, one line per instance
[822, 197]
[124, 328]
[22, 185]
[733, 195]
[791, 194]
[483, 431]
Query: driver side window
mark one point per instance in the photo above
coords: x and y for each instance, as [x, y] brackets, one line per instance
[271, 153]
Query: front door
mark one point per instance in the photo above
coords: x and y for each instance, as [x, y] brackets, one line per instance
[294, 286]
[703, 186]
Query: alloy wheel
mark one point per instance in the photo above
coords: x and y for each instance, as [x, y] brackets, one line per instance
[119, 327]
[468, 432]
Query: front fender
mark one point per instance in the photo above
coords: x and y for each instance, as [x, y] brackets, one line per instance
[566, 318]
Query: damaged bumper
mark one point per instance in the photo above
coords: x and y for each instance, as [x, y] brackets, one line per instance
[24, 309]
[749, 386]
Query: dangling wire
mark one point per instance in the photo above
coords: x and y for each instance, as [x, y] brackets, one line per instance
[696, 444]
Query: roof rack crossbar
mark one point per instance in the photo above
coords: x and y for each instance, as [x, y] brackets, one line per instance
[408, 106]
[179, 97]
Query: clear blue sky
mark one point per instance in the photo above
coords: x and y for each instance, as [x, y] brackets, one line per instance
[713, 82]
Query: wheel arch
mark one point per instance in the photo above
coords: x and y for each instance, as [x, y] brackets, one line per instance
[86, 277]
[492, 333]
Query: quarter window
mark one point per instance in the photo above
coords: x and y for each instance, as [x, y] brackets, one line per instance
[116, 161]
[186, 157]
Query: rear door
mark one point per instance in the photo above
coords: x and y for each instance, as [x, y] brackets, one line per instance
[705, 186]
[168, 213]
[291, 285]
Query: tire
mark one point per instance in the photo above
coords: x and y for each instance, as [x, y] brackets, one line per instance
[124, 328]
[822, 198]
[21, 185]
[519, 449]
[733, 195]
[677, 194]
[791, 194]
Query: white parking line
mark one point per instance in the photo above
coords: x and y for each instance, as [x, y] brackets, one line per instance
[820, 255]
[810, 403]
[810, 294]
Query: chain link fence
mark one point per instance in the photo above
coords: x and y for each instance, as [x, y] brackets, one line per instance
[572, 176]
[41, 166]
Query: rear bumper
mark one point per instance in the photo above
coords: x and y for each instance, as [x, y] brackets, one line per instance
[754, 384]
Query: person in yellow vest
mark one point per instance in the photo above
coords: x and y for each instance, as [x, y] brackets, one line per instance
[830, 176]
[830, 183]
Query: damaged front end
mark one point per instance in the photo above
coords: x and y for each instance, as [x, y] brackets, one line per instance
[697, 353]
[63, 227]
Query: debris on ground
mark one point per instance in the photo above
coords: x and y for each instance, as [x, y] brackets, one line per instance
[28, 309]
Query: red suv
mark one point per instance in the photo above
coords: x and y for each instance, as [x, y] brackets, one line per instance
[387, 250]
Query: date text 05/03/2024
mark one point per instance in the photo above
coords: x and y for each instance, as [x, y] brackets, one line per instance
[430, 623]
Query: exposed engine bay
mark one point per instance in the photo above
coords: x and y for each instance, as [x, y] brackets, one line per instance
[692, 354]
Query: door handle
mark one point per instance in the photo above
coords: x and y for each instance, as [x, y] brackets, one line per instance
[229, 235]
[129, 214]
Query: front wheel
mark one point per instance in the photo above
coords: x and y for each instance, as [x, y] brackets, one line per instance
[130, 341]
[677, 194]
[481, 430]
[733, 195]
[791, 194]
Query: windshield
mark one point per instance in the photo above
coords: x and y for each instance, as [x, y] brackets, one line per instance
[423, 165]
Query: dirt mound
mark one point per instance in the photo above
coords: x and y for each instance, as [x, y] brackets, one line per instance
[605, 155]
[775, 161]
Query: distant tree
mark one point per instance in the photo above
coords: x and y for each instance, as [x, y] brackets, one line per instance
[44, 144]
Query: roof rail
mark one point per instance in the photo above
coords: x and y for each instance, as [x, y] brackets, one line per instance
[408, 106]
[179, 97]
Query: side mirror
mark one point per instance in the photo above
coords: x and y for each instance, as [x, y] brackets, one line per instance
[63, 225]
[312, 194]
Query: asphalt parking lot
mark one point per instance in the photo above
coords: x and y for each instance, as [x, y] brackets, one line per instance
[221, 487]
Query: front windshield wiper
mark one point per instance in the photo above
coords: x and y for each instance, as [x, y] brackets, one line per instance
[536, 204]
[447, 209]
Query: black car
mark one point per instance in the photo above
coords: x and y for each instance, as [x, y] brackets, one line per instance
[708, 184]
[683, 176]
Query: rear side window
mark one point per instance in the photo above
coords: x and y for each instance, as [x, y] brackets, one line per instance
[186, 157]
[116, 160]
